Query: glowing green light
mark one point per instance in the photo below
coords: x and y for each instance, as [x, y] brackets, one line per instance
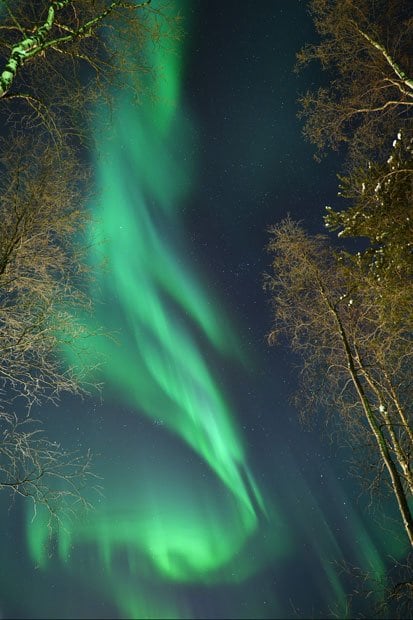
[161, 318]
[165, 327]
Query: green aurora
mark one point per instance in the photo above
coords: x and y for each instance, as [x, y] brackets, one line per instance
[199, 518]
[162, 321]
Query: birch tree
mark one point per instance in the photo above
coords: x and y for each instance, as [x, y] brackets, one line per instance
[379, 197]
[35, 468]
[356, 362]
[42, 270]
[59, 58]
[365, 49]
[60, 61]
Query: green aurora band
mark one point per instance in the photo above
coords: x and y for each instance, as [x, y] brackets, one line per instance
[163, 322]
[151, 296]
[193, 515]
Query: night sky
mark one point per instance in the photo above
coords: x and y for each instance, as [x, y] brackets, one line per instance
[217, 502]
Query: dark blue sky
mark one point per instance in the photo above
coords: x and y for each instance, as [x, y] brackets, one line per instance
[253, 168]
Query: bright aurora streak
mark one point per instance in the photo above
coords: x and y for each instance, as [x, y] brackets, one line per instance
[198, 518]
[162, 321]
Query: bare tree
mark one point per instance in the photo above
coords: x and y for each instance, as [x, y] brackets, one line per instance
[390, 595]
[366, 49]
[60, 58]
[60, 61]
[357, 360]
[43, 286]
[348, 314]
[42, 269]
[33, 467]
[379, 209]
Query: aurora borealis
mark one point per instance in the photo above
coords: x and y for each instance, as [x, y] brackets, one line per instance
[153, 303]
[216, 503]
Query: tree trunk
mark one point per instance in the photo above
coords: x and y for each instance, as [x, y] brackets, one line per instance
[28, 47]
[398, 450]
[375, 428]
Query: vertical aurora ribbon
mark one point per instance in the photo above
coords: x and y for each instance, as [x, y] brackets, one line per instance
[184, 510]
[165, 324]
[166, 329]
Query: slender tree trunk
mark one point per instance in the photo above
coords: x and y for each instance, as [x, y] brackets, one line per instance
[400, 411]
[37, 42]
[28, 47]
[393, 64]
[400, 454]
[374, 426]
[384, 451]
[398, 450]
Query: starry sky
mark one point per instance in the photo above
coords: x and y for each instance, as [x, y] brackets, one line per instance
[217, 502]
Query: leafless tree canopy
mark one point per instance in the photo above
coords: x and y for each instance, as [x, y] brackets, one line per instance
[348, 315]
[356, 345]
[33, 467]
[365, 48]
[60, 61]
[379, 209]
[42, 269]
